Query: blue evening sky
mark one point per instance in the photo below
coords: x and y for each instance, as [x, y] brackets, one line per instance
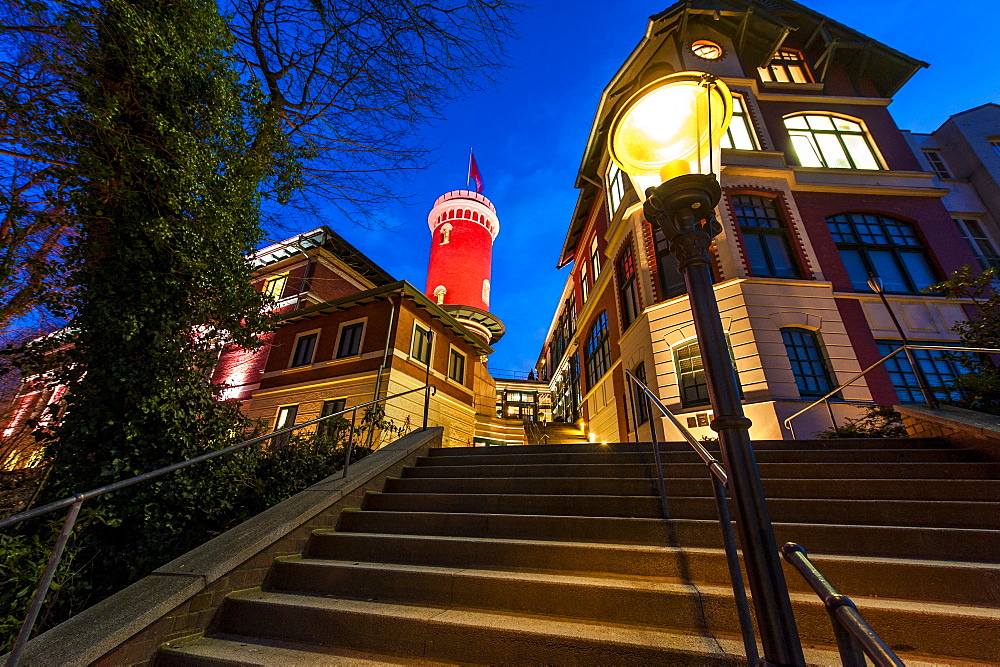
[529, 130]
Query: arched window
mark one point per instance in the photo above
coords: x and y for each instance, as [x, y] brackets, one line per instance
[597, 355]
[870, 243]
[486, 292]
[822, 140]
[475, 216]
[764, 236]
[446, 233]
[808, 364]
[787, 66]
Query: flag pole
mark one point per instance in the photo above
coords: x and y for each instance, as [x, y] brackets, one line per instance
[468, 172]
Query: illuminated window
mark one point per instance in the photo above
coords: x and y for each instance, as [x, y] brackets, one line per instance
[616, 188]
[740, 134]
[982, 245]
[937, 164]
[349, 344]
[584, 283]
[786, 66]
[595, 257]
[628, 286]
[486, 292]
[872, 243]
[456, 366]
[764, 236]
[420, 345]
[706, 49]
[274, 286]
[597, 356]
[691, 375]
[304, 348]
[286, 417]
[830, 141]
[808, 365]
[446, 233]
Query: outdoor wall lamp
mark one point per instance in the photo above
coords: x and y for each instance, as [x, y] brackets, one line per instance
[666, 137]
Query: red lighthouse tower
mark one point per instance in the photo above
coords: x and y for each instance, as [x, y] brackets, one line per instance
[463, 226]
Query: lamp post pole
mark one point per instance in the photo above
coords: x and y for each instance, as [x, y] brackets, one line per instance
[684, 209]
[876, 285]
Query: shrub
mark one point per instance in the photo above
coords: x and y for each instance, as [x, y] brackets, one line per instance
[877, 421]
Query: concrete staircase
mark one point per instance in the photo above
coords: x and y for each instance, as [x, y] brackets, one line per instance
[557, 554]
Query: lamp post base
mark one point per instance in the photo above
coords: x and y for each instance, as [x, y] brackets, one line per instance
[684, 209]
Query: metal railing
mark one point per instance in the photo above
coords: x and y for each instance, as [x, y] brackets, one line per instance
[717, 473]
[855, 638]
[928, 397]
[75, 502]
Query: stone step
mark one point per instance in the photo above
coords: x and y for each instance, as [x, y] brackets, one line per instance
[689, 456]
[462, 635]
[858, 489]
[882, 513]
[929, 471]
[842, 443]
[655, 603]
[223, 649]
[939, 581]
[978, 545]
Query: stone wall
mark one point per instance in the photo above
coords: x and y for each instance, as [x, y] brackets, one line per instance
[962, 428]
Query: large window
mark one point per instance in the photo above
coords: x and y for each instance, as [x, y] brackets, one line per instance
[877, 244]
[821, 140]
[939, 367]
[808, 364]
[350, 340]
[565, 328]
[617, 184]
[420, 345]
[597, 357]
[584, 282]
[304, 348]
[628, 286]
[740, 134]
[982, 245]
[595, 257]
[691, 375]
[764, 236]
[274, 287]
[671, 280]
[786, 66]
[456, 366]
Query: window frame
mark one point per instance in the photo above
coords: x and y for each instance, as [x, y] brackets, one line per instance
[283, 440]
[741, 115]
[323, 428]
[995, 143]
[415, 358]
[809, 134]
[803, 379]
[930, 362]
[595, 257]
[268, 289]
[453, 354]
[785, 60]
[584, 282]
[312, 353]
[773, 212]
[666, 263]
[597, 347]
[617, 188]
[352, 324]
[864, 250]
[937, 163]
[975, 242]
[641, 406]
[628, 285]
[680, 374]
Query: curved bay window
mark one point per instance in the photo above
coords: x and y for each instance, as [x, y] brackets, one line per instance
[808, 364]
[764, 236]
[597, 354]
[822, 140]
[870, 243]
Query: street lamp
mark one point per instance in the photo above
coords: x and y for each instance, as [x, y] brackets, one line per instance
[876, 285]
[666, 137]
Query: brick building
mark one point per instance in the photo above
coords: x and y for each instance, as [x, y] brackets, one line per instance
[820, 189]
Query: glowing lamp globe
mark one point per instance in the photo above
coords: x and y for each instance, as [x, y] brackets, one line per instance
[664, 131]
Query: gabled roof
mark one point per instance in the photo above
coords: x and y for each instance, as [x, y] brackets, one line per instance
[326, 238]
[757, 28]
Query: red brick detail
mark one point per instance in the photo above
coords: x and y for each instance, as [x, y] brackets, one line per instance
[649, 247]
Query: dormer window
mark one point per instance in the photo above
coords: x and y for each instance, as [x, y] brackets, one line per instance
[787, 66]
[823, 140]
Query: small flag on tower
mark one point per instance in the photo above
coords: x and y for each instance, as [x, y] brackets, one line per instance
[474, 174]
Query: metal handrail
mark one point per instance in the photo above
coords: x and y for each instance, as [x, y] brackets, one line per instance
[855, 638]
[901, 348]
[719, 478]
[75, 502]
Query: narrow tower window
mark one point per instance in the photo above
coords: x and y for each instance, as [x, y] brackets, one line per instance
[439, 293]
[486, 292]
[446, 233]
